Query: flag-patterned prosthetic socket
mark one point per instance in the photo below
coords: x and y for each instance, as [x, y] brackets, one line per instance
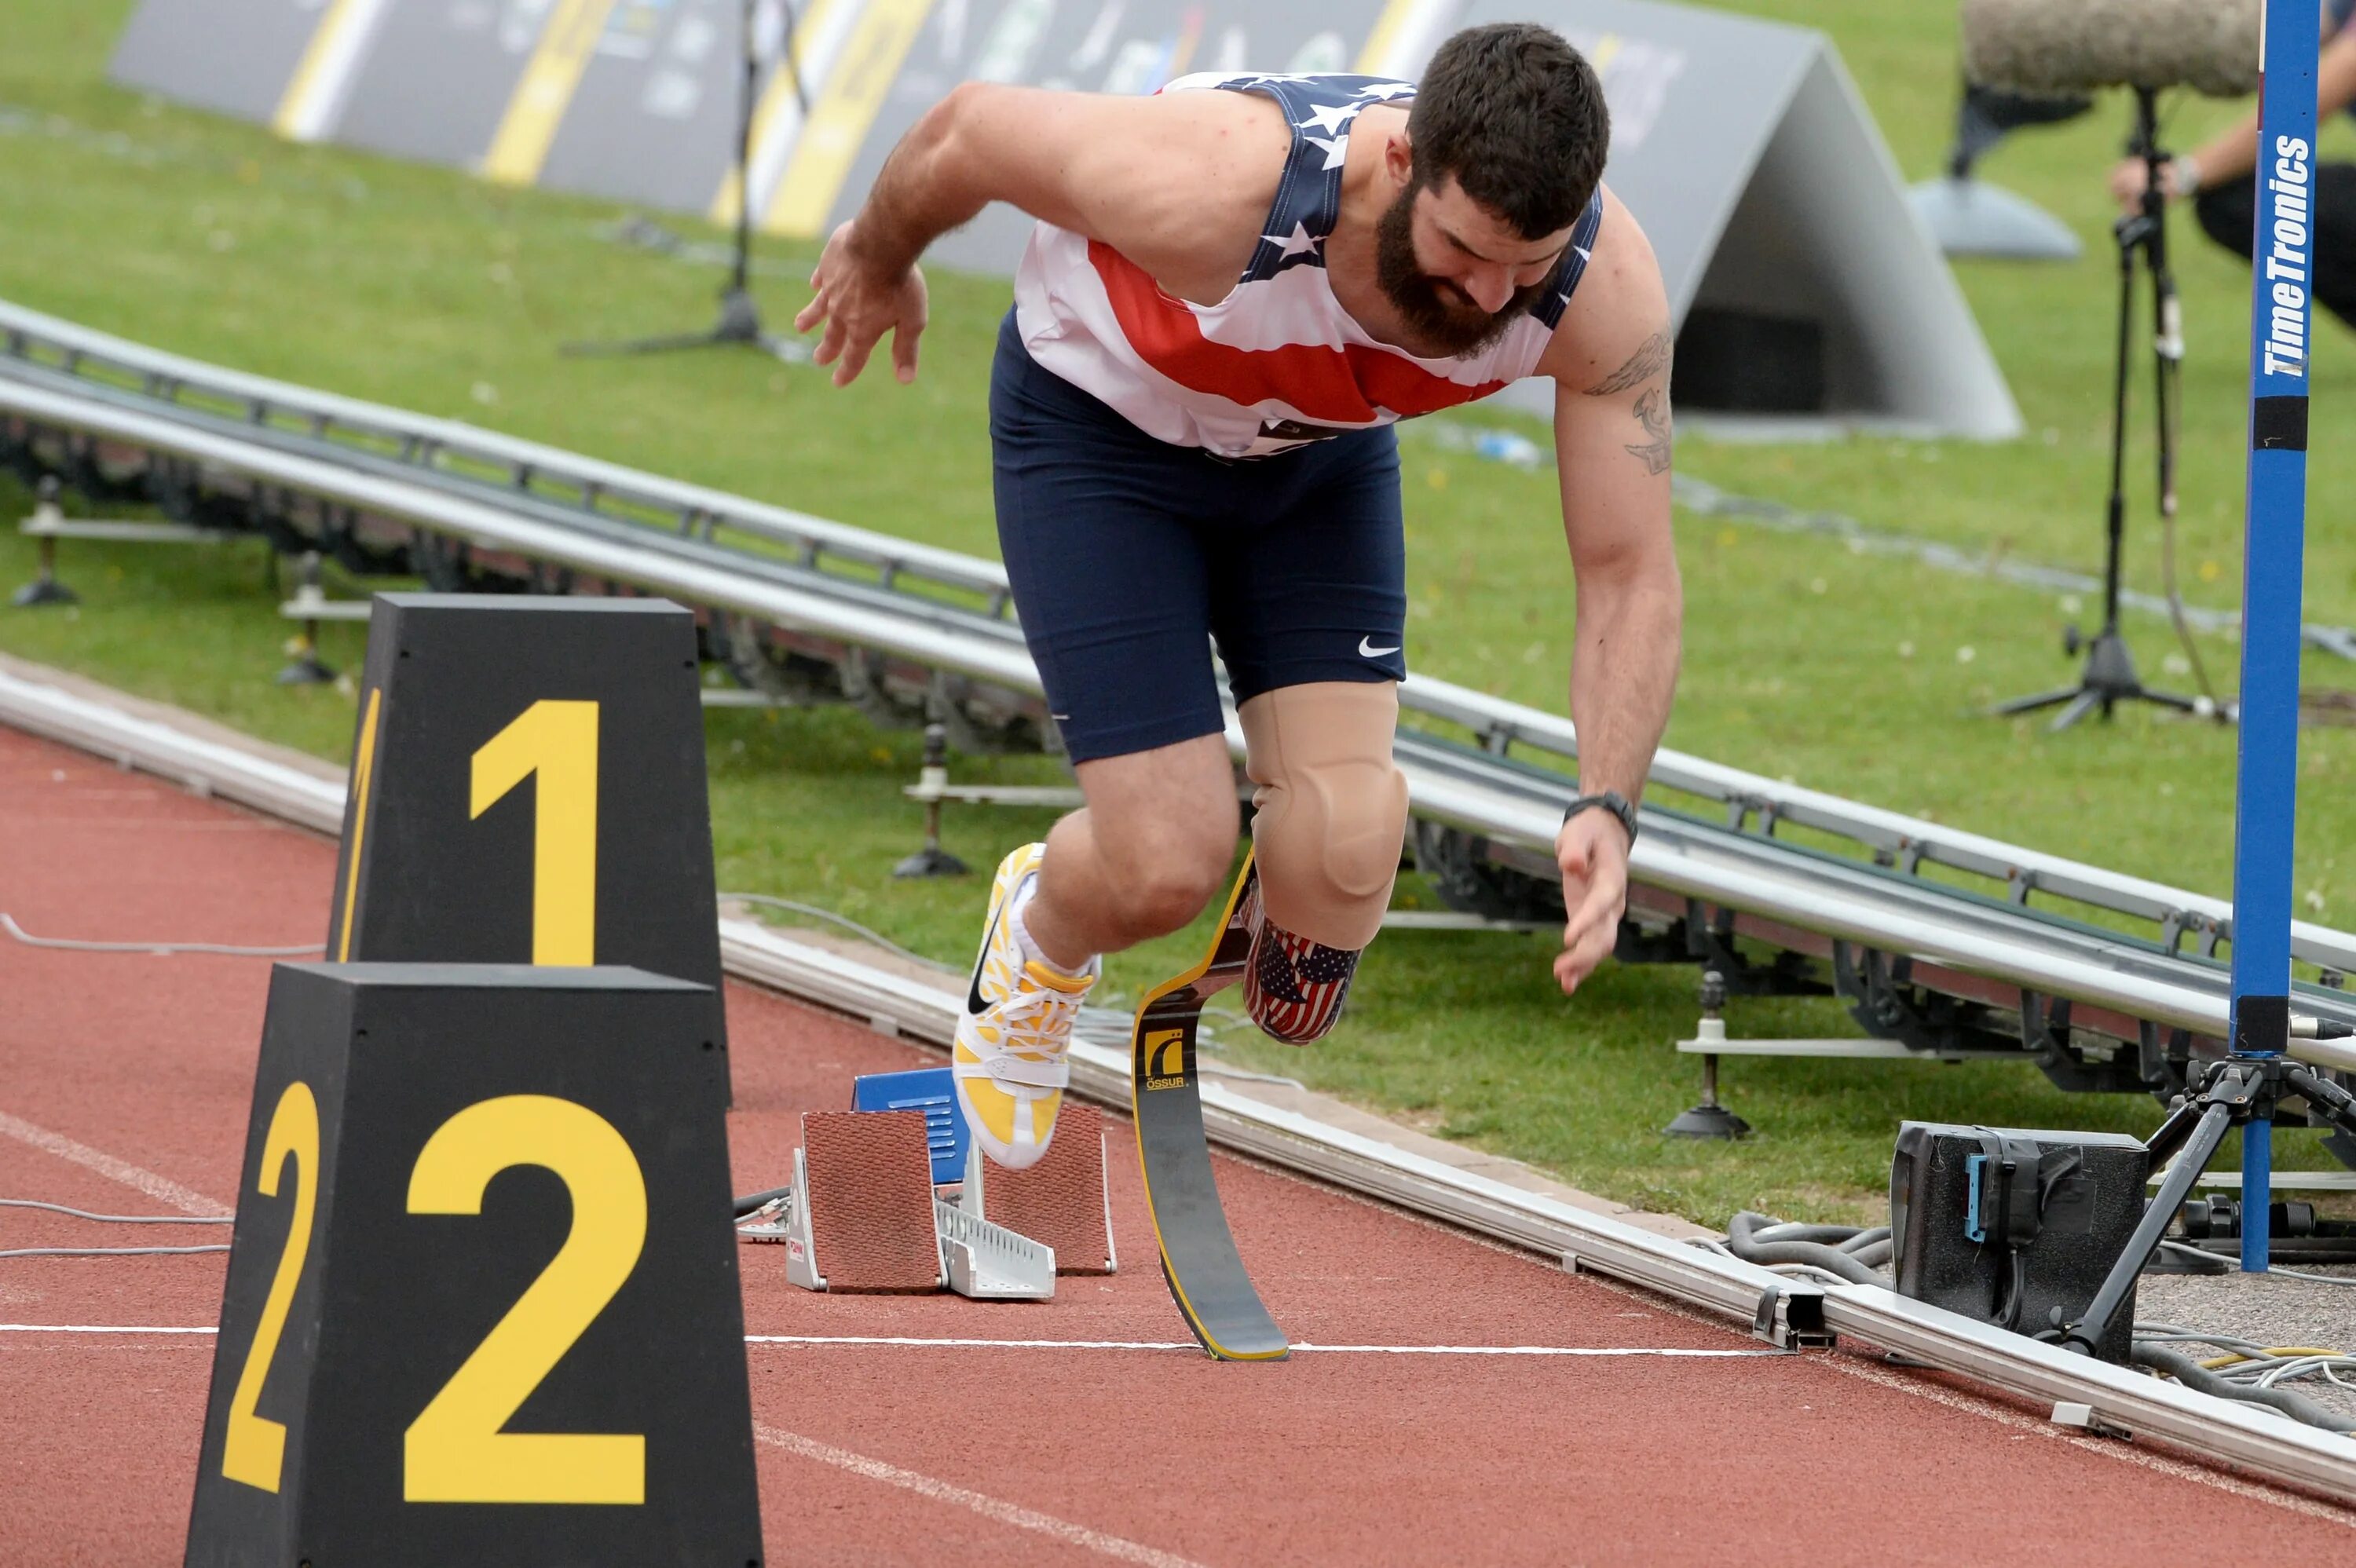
[1293, 987]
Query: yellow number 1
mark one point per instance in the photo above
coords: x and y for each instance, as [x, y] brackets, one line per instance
[557, 742]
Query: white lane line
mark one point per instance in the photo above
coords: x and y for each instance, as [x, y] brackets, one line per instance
[1312, 1349]
[1067, 1344]
[163, 1188]
[98, 1329]
[972, 1344]
[1117, 1547]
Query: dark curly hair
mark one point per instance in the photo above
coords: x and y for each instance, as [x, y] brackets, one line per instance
[1517, 117]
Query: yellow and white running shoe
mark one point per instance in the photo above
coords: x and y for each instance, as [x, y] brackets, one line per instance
[1010, 1059]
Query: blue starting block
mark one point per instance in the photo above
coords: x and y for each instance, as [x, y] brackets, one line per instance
[932, 1091]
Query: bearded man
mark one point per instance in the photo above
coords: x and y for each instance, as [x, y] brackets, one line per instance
[1236, 287]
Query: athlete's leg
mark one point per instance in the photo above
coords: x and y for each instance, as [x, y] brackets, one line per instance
[1151, 847]
[1311, 623]
[1097, 523]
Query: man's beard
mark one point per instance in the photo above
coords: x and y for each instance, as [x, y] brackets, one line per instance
[1449, 331]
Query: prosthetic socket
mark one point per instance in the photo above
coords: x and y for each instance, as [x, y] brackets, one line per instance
[1331, 807]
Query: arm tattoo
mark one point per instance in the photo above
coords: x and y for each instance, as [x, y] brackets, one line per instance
[1652, 357]
[1653, 413]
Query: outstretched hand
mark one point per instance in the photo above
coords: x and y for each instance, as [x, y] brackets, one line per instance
[859, 308]
[1592, 852]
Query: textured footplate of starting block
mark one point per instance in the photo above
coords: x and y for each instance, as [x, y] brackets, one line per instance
[1064, 1200]
[861, 1217]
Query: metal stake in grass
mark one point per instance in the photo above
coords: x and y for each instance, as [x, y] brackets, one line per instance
[1709, 1119]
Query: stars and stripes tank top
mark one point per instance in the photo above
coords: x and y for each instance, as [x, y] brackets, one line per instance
[1277, 363]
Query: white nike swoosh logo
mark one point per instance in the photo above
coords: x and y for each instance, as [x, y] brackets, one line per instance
[1366, 646]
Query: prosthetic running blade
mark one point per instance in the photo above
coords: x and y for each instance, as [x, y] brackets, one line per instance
[1205, 1275]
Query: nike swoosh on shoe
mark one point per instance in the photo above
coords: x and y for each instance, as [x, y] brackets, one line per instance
[974, 1005]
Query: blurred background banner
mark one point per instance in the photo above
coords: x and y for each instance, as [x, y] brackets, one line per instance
[1804, 291]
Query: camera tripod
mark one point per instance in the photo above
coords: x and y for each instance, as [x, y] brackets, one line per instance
[2238, 1091]
[740, 317]
[2109, 675]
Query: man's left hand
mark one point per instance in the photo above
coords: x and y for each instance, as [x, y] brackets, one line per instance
[1593, 851]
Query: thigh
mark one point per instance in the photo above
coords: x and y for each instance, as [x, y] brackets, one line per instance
[1314, 587]
[1173, 807]
[1109, 572]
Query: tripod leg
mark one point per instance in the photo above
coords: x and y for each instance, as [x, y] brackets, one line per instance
[2043, 700]
[2322, 1093]
[2085, 703]
[2088, 1332]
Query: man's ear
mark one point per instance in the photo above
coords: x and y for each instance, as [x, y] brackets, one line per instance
[1399, 158]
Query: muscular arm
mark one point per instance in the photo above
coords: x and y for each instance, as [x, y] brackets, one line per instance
[1610, 365]
[1073, 159]
[1609, 360]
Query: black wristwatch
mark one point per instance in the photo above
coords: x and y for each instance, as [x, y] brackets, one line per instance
[1612, 801]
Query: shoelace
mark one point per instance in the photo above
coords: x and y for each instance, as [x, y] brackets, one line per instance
[1041, 1011]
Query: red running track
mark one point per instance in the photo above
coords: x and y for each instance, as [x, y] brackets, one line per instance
[124, 1087]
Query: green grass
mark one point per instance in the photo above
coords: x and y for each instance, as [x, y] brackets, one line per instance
[428, 290]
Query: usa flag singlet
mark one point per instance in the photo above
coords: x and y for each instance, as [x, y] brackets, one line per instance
[1277, 362]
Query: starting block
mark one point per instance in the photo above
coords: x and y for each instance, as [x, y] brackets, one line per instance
[861, 1216]
[1065, 1201]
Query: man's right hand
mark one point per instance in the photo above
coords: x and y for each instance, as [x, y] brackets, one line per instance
[859, 308]
[2128, 179]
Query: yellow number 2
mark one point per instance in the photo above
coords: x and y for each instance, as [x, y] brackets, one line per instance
[557, 742]
[254, 1450]
[455, 1451]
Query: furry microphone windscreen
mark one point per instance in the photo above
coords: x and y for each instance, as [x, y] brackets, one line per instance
[2078, 45]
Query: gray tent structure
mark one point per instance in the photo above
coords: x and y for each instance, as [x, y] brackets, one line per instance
[1807, 294]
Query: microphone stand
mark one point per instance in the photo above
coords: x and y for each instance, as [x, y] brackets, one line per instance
[2109, 675]
[740, 318]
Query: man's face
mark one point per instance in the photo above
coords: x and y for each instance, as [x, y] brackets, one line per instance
[1458, 275]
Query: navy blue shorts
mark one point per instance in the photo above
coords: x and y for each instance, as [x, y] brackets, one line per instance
[1128, 556]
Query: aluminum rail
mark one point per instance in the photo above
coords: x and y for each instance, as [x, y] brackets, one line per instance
[920, 633]
[2200, 1424]
[1902, 838]
[1851, 900]
[1865, 904]
[87, 355]
[47, 349]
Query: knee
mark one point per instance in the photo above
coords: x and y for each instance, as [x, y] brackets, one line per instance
[1160, 880]
[1162, 897]
[1331, 807]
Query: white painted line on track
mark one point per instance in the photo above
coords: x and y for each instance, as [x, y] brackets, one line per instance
[945, 1344]
[1117, 1547]
[98, 1329]
[163, 1188]
[924, 1343]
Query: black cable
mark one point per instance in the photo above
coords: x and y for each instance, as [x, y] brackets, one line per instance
[1742, 1239]
[752, 1200]
[119, 1219]
[105, 1251]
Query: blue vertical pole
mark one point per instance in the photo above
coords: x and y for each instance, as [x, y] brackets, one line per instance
[2265, 798]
